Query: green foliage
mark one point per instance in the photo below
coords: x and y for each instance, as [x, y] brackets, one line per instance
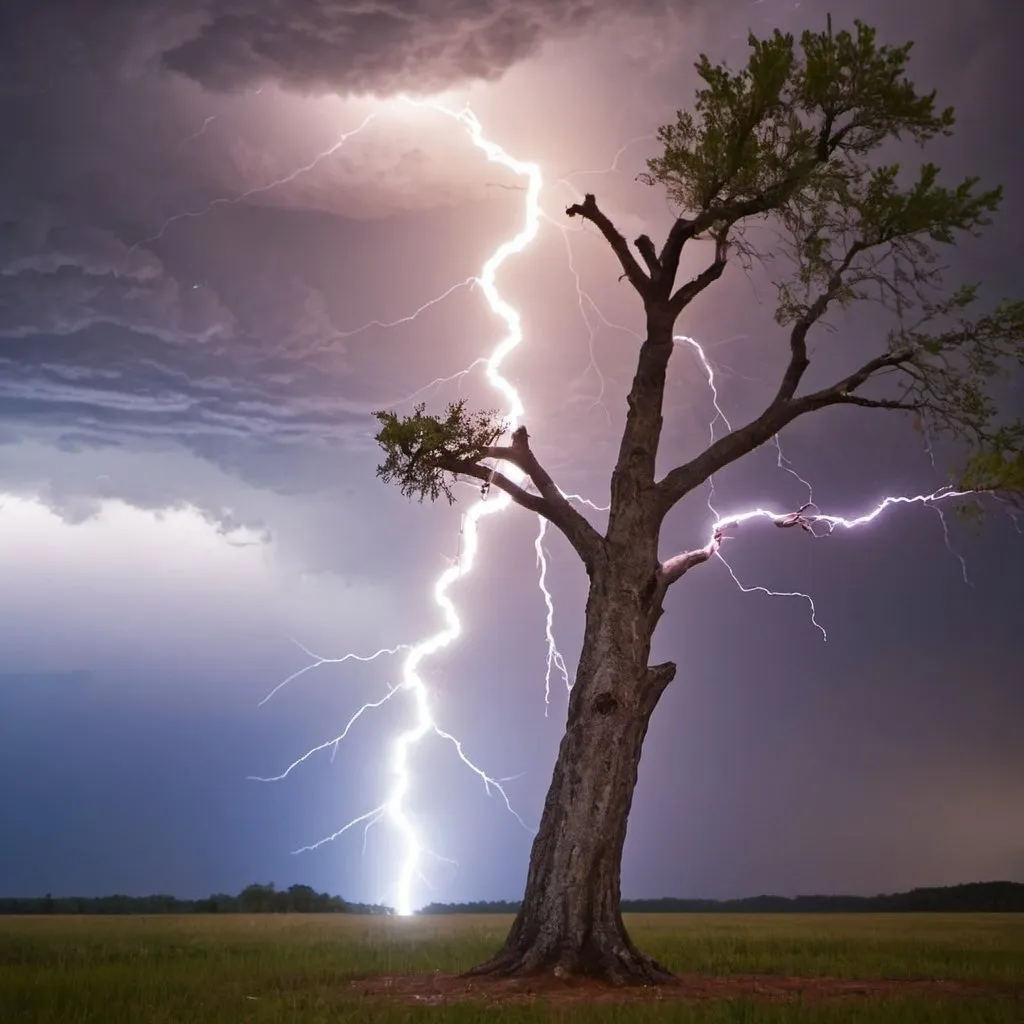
[953, 361]
[759, 137]
[762, 134]
[792, 137]
[421, 449]
[996, 470]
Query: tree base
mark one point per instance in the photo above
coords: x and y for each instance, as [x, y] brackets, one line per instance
[617, 962]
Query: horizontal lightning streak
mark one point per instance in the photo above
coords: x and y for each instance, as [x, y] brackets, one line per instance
[806, 520]
[830, 522]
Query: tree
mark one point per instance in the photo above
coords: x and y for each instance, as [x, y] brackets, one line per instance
[791, 142]
[257, 899]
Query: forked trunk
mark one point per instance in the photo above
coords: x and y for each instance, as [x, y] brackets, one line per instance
[570, 921]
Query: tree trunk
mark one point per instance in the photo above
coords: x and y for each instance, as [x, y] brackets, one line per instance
[570, 921]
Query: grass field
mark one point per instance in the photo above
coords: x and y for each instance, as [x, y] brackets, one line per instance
[158, 970]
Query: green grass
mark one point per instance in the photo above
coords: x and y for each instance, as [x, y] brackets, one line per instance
[158, 970]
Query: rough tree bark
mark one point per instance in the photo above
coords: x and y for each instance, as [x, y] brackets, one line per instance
[570, 920]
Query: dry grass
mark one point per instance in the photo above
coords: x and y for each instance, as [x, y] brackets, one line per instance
[289, 968]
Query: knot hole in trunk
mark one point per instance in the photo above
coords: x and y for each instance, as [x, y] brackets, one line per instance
[605, 704]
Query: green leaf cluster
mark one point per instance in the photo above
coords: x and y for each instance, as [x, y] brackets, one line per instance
[795, 136]
[420, 449]
[758, 137]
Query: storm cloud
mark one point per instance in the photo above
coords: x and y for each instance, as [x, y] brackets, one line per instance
[345, 46]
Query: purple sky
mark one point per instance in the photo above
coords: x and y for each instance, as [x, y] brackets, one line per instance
[187, 463]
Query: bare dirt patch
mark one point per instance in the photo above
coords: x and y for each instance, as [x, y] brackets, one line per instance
[439, 989]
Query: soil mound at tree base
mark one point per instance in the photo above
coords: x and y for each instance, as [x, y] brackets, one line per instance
[439, 989]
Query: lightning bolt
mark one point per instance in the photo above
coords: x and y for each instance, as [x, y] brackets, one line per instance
[566, 180]
[468, 283]
[318, 661]
[787, 467]
[808, 521]
[412, 682]
[800, 518]
[259, 189]
[555, 661]
[202, 131]
[412, 685]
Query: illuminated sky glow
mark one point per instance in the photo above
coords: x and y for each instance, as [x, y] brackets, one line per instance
[189, 470]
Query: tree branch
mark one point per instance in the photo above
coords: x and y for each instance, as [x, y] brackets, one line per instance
[588, 210]
[880, 403]
[521, 496]
[656, 680]
[677, 566]
[841, 393]
[678, 236]
[689, 291]
[673, 568]
[645, 247]
[798, 360]
[683, 479]
[549, 503]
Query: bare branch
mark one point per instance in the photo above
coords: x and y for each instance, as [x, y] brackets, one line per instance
[673, 568]
[645, 247]
[841, 393]
[798, 361]
[689, 291]
[683, 479]
[550, 502]
[487, 475]
[678, 236]
[588, 210]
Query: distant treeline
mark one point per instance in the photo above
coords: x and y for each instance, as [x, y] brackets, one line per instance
[253, 899]
[974, 897]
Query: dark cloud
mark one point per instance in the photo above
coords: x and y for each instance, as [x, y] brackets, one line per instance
[382, 46]
[58, 279]
[144, 299]
[349, 46]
